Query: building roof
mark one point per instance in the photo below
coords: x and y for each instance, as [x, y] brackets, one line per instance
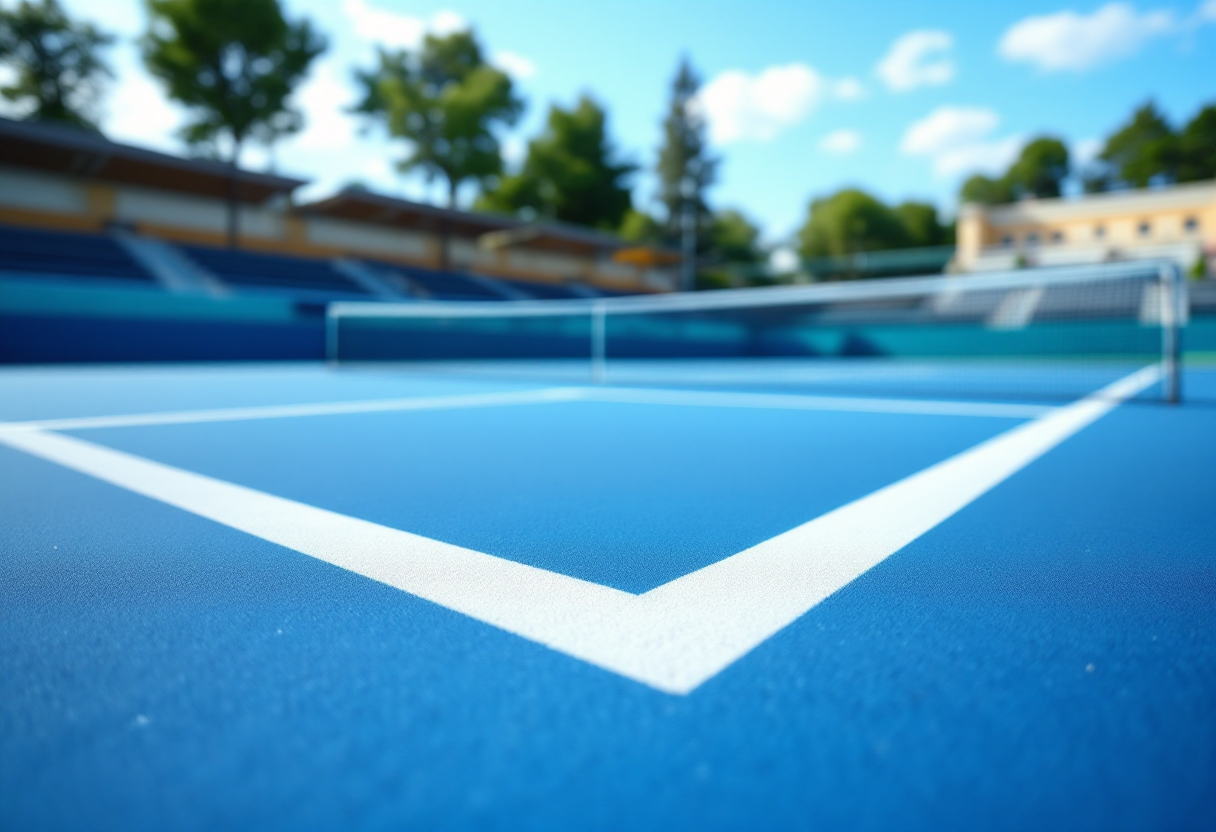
[1176, 197]
[495, 230]
[82, 153]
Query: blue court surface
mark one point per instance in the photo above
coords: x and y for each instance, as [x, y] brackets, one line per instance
[298, 597]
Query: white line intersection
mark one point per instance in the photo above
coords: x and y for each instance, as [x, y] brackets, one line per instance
[672, 638]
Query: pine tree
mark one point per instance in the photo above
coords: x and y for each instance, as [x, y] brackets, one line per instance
[685, 161]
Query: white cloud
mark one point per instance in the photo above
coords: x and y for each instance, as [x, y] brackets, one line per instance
[323, 99]
[1086, 151]
[916, 60]
[1067, 41]
[136, 109]
[398, 31]
[743, 107]
[1207, 11]
[850, 89]
[957, 140]
[841, 142]
[514, 64]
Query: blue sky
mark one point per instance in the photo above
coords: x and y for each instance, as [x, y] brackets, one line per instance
[902, 98]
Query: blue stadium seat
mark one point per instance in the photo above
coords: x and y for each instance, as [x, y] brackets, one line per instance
[434, 284]
[276, 271]
[545, 291]
[66, 253]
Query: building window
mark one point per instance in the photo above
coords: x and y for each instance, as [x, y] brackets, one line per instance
[1057, 236]
[1007, 241]
[1145, 228]
[1191, 225]
[1032, 239]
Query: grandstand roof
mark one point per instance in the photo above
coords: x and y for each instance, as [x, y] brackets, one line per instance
[365, 206]
[70, 150]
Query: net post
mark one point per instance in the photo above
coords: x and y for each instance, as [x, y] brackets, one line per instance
[599, 341]
[331, 336]
[1173, 300]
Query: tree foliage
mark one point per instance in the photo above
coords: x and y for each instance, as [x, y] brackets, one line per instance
[571, 172]
[1197, 147]
[1039, 171]
[733, 238]
[1147, 150]
[848, 222]
[1141, 151]
[684, 156]
[233, 64]
[852, 221]
[641, 227]
[55, 63]
[445, 102]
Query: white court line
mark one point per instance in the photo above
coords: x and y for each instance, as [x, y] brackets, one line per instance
[624, 395]
[240, 414]
[674, 637]
[781, 401]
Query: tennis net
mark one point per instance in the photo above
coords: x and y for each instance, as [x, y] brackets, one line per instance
[1041, 333]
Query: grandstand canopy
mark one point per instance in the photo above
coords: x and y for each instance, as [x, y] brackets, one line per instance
[75, 152]
[496, 231]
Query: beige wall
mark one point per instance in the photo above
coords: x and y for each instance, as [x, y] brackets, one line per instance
[1091, 228]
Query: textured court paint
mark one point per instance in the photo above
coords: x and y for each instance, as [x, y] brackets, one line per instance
[674, 637]
[944, 690]
[924, 407]
[774, 401]
[243, 414]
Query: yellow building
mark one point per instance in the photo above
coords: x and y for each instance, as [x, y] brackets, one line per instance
[1177, 223]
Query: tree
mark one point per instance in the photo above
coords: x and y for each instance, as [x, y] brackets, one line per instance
[55, 61]
[571, 172]
[1142, 151]
[733, 238]
[233, 64]
[922, 224]
[640, 227]
[848, 222]
[985, 190]
[445, 102]
[1197, 147]
[1040, 169]
[686, 168]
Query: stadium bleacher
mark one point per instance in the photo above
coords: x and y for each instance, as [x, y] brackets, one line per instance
[548, 291]
[434, 285]
[30, 251]
[272, 271]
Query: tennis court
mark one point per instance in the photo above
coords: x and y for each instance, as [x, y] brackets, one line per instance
[846, 590]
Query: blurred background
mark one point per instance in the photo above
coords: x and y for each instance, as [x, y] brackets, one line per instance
[201, 179]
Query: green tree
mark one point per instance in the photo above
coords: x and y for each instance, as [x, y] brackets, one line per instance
[985, 190]
[848, 222]
[445, 102]
[686, 168]
[571, 172]
[1197, 147]
[733, 238]
[921, 222]
[640, 227]
[55, 63]
[1143, 150]
[1040, 169]
[233, 64]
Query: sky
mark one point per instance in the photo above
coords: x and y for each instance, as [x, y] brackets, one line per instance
[904, 99]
